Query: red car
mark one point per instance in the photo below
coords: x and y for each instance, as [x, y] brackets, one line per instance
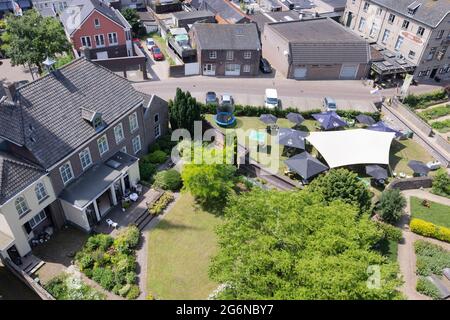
[157, 54]
[138, 42]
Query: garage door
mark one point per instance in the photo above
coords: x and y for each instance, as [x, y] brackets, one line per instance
[348, 71]
[101, 55]
[300, 73]
[232, 69]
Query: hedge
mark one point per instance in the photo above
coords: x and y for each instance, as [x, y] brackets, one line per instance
[441, 126]
[423, 100]
[158, 206]
[428, 229]
[255, 111]
[435, 113]
[156, 157]
[168, 180]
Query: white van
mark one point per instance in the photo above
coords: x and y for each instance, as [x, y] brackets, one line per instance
[271, 98]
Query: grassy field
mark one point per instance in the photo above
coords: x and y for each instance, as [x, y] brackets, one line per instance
[405, 150]
[437, 213]
[180, 250]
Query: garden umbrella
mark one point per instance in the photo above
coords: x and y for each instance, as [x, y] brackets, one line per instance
[268, 118]
[419, 167]
[383, 127]
[292, 138]
[377, 172]
[305, 165]
[295, 117]
[329, 120]
[364, 119]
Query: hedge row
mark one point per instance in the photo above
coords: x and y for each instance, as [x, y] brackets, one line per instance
[428, 229]
[255, 111]
[423, 100]
[161, 204]
[436, 112]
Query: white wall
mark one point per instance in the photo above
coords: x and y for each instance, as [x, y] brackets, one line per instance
[75, 215]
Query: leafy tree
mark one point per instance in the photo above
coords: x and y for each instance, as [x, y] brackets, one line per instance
[344, 185]
[441, 183]
[168, 180]
[30, 38]
[132, 17]
[391, 205]
[291, 245]
[183, 111]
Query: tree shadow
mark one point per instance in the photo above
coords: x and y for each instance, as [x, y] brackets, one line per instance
[394, 158]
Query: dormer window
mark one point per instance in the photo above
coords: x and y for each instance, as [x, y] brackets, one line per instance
[98, 122]
[94, 118]
[412, 8]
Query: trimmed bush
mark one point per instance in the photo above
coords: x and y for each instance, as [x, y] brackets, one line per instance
[168, 180]
[428, 229]
[427, 288]
[156, 157]
[158, 206]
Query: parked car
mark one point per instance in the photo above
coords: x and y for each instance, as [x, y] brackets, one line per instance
[226, 99]
[150, 43]
[271, 98]
[138, 42]
[264, 66]
[211, 98]
[329, 104]
[434, 165]
[157, 54]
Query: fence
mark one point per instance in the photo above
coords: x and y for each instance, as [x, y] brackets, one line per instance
[25, 278]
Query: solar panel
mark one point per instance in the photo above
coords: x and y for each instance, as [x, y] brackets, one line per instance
[400, 62]
[387, 64]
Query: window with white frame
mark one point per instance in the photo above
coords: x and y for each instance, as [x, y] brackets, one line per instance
[247, 55]
[379, 11]
[66, 172]
[213, 54]
[405, 24]
[21, 206]
[102, 145]
[41, 192]
[362, 24]
[230, 55]
[391, 18]
[157, 131]
[118, 133]
[133, 122]
[431, 53]
[246, 68]
[86, 42]
[136, 144]
[385, 36]
[112, 39]
[37, 219]
[420, 31]
[411, 54]
[85, 158]
[374, 30]
[99, 40]
[399, 43]
[96, 23]
[366, 6]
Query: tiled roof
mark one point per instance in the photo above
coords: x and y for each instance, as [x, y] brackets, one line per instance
[212, 36]
[48, 120]
[15, 175]
[224, 9]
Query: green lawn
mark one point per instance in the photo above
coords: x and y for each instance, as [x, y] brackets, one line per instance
[437, 213]
[405, 150]
[180, 250]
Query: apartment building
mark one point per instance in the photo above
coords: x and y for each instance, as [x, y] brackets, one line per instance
[412, 36]
[69, 149]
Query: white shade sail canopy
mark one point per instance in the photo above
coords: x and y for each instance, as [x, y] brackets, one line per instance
[357, 146]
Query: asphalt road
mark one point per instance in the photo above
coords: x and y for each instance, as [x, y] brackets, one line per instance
[304, 95]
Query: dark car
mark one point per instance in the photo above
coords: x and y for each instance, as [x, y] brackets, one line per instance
[264, 66]
[211, 98]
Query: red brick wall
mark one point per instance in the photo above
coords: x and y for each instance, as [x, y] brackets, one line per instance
[106, 26]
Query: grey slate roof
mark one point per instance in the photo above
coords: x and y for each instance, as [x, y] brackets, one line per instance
[49, 123]
[322, 41]
[212, 36]
[224, 9]
[430, 13]
[15, 175]
[78, 10]
[192, 14]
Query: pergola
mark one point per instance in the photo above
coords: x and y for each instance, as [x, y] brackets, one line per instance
[350, 147]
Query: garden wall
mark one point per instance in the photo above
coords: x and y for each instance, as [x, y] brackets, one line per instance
[412, 117]
[411, 183]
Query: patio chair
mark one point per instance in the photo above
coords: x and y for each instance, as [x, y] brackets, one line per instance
[111, 223]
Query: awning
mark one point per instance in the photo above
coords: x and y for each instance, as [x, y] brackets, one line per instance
[5, 241]
[97, 179]
[356, 146]
[390, 63]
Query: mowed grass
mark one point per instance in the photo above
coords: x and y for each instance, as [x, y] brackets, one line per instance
[180, 250]
[402, 151]
[437, 213]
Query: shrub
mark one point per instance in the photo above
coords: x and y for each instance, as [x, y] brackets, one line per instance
[428, 229]
[431, 258]
[67, 287]
[147, 170]
[168, 180]
[102, 241]
[441, 126]
[441, 183]
[154, 147]
[422, 100]
[435, 112]
[391, 205]
[127, 239]
[133, 293]
[427, 288]
[166, 144]
[85, 261]
[390, 232]
[156, 157]
[158, 206]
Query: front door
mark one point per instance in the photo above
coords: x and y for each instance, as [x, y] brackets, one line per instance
[209, 69]
[433, 73]
[349, 19]
[14, 255]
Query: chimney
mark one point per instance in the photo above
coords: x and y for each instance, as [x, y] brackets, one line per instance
[85, 52]
[10, 90]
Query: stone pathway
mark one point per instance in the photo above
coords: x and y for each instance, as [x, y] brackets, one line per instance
[406, 254]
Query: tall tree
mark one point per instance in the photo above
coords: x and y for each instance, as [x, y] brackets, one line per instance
[344, 185]
[132, 17]
[184, 111]
[291, 245]
[391, 205]
[30, 38]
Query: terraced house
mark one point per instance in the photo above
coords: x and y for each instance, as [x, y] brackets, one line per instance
[411, 35]
[69, 148]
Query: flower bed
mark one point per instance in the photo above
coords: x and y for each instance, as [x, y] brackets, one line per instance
[111, 262]
[424, 100]
[431, 258]
[69, 287]
[159, 205]
[435, 113]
